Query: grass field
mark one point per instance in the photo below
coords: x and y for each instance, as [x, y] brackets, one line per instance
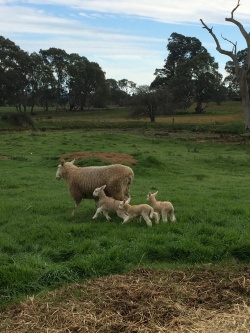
[43, 246]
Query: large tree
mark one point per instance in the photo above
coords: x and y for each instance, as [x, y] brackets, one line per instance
[190, 72]
[241, 68]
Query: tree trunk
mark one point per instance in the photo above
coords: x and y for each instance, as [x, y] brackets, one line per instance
[241, 70]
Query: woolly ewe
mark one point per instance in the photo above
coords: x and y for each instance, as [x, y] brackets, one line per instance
[82, 181]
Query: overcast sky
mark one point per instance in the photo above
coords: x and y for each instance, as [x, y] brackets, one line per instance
[127, 39]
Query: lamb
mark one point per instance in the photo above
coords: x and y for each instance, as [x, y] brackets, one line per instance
[82, 181]
[107, 204]
[145, 211]
[162, 207]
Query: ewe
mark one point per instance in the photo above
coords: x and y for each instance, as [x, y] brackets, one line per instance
[82, 181]
[145, 211]
[107, 204]
[162, 207]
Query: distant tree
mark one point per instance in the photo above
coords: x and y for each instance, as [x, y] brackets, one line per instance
[189, 72]
[42, 83]
[86, 83]
[150, 102]
[241, 66]
[116, 94]
[13, 74]
[57, 60]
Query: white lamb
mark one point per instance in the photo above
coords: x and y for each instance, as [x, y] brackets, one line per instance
[162, 207]
[107, 204]
[82, 181]
[145, 211]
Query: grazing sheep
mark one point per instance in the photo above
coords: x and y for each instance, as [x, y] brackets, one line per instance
[82, 181]
[162, 207]
[107, 204]
[145, 211]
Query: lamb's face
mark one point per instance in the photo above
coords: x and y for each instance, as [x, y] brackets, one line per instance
[59, 172]
[96, 192]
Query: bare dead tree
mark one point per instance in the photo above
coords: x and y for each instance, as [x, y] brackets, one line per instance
[241, 71]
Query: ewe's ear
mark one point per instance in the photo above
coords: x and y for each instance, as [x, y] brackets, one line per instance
[62, 162]
[154, 194]
[72, 162]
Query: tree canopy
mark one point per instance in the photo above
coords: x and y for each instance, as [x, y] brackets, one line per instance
[189, 72]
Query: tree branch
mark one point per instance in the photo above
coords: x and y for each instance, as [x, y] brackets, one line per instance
[239, 25]
[218, 47]
[234, 44]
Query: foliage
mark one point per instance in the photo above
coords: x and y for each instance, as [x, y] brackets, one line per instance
[20, 119]
[190, 73]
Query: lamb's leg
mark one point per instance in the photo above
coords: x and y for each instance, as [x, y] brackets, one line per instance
[121, 214]
[126, 219]
[156, 217]
[105, 213]
[164, 217]
[147, 219]
[172, 216]
[99, 210]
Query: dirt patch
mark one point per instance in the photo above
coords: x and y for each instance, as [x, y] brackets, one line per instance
[143, 301]
[107, 157]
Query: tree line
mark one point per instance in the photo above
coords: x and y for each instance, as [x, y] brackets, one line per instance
[71, 82]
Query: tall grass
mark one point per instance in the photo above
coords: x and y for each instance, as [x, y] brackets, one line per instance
[43, 246]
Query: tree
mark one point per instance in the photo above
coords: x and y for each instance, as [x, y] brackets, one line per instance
[241, 68]
[150, 102]
[190, 72]
[13, 70]
[57, 60]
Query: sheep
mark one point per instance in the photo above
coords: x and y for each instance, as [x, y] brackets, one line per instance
[107, 204]
[82, 181]
[143, 210]
[162, 207]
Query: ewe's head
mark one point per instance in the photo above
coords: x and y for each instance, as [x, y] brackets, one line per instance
[59, 170]
[98, 190]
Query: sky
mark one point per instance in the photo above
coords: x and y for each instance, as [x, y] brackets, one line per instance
[128, 39]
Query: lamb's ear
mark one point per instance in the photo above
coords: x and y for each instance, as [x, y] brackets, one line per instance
[154, 194]
[104, 186]
[127, 201]
[62, 162]
[72, 162]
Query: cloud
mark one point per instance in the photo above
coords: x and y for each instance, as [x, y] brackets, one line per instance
[127, 38]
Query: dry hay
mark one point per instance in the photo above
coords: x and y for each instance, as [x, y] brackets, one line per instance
[143, 301]
[107, 157]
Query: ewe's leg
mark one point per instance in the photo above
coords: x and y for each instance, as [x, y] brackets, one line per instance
[147, 219]
[77, 196]
[75, 207]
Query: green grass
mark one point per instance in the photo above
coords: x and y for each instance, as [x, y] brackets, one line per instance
[42, 246]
